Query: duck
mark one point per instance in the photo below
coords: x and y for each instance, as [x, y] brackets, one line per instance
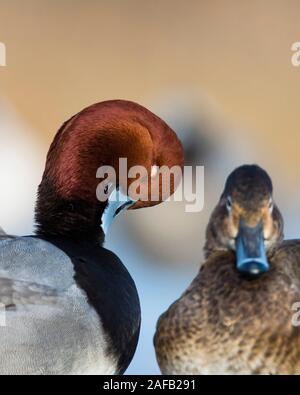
[71, 307]
[238, 314]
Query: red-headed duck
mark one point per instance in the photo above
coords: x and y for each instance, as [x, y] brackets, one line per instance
[71, 307]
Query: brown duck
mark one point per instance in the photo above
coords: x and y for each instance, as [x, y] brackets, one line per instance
[239, 314]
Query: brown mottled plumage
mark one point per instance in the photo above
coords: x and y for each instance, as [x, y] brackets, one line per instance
[228, 322]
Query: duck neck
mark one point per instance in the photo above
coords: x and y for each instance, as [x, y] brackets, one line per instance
[74, 219]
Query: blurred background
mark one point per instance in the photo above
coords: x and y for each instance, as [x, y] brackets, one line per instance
[218, 72]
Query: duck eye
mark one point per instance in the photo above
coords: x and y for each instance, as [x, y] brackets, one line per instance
[229, 203]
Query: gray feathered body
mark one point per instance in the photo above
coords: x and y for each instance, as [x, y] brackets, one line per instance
[48, 325]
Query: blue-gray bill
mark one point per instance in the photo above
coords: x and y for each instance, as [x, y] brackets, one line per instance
[116, 203]
[250, 250]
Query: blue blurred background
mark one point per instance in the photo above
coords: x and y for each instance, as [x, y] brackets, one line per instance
[219, 73]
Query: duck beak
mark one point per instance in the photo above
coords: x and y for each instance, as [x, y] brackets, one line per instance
[116, 203]
[250, 250]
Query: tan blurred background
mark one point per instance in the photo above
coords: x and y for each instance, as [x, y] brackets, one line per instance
[219, 72]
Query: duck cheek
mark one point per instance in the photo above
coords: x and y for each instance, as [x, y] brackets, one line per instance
[272, 233]
[226, 235]
[231, 229]
[268, 228]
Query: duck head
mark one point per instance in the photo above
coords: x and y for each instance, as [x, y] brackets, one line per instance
[246, 220]
[99, 136]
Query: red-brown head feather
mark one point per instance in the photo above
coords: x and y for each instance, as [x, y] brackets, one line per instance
[98, 136]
